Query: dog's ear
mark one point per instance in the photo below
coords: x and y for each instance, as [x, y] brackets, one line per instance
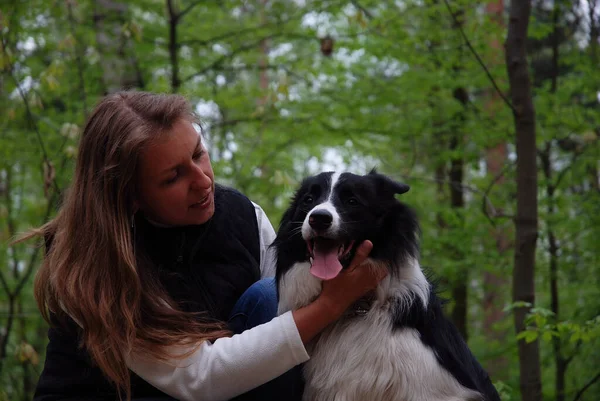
[287, 215]
[386, 185]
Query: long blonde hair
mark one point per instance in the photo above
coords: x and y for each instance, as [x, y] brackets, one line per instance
[91, 272]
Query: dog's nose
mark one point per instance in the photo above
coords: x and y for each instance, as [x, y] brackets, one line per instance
[320, 219]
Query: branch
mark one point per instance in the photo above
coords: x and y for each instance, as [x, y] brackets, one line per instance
[577, 153]
[188, 9]
[586, 387]
[244, 31]
[78, 57]
[31, 118]
[173, 47]
[260, 118]
[12, 295]
[479, 60]
[9, 217]
[464, 187]
[455, 184]
[474, 190]
[370, 16]
[4, 284]
[222, 59]
[575, 352]
[246, 67]
[172, 12]
[286, 35]
[273, 153]
[485, 200]
[280, 148]
[30, 265]
[362, 8]
[564, 171]
[9, 322]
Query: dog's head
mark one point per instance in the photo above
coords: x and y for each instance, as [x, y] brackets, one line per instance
[332, 213]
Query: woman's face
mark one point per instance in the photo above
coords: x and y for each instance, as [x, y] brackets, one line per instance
[175, 179]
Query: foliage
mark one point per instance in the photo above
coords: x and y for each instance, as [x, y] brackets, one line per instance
[276, 108]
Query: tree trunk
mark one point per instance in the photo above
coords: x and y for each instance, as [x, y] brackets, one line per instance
[527, 214]
[455, 185]
[495, 284]
[79, 54]
[546, 159]
[592, 169]
[119, 67]
[559, 359]
[173, 46]
[457, 202]
[28, 383]
[6, 187]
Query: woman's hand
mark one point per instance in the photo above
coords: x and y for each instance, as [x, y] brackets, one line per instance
[339, 293]
[351, 284]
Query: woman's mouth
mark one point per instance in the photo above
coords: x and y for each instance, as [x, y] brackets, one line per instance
[203, 203]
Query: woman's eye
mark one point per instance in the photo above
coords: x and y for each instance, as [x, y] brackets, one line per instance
[172, 180]
[198, 155]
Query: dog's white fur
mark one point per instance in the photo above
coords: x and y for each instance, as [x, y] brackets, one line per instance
[327, 205]
[361, 357]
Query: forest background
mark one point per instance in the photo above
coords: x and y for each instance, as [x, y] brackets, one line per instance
[489, 112]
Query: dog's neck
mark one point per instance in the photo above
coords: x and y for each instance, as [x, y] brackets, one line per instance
[399, 289]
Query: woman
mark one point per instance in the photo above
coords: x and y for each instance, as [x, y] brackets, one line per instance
[147, 259]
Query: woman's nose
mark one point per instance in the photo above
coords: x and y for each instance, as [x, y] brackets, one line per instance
[200, 180]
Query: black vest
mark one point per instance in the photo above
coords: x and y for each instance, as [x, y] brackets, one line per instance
[203, 268]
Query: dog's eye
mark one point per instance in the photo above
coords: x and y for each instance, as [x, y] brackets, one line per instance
[308, 199]
[352, 201]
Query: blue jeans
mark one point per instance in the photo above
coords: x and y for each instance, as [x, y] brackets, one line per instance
[258, 305]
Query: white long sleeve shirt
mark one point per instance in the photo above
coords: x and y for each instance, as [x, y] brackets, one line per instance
[266, 236]
[231, 366]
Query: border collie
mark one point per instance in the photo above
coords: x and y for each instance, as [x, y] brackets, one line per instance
[395, 345]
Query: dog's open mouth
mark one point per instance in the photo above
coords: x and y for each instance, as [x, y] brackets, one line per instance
[328, 256]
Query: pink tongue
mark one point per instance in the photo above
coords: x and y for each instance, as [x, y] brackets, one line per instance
[325, 263]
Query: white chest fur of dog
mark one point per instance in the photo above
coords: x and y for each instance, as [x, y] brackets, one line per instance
[360, 357]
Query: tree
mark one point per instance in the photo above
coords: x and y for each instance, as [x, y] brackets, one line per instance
[526, 212]
[289, 88]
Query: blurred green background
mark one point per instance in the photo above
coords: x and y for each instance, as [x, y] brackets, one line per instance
[288, 88]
